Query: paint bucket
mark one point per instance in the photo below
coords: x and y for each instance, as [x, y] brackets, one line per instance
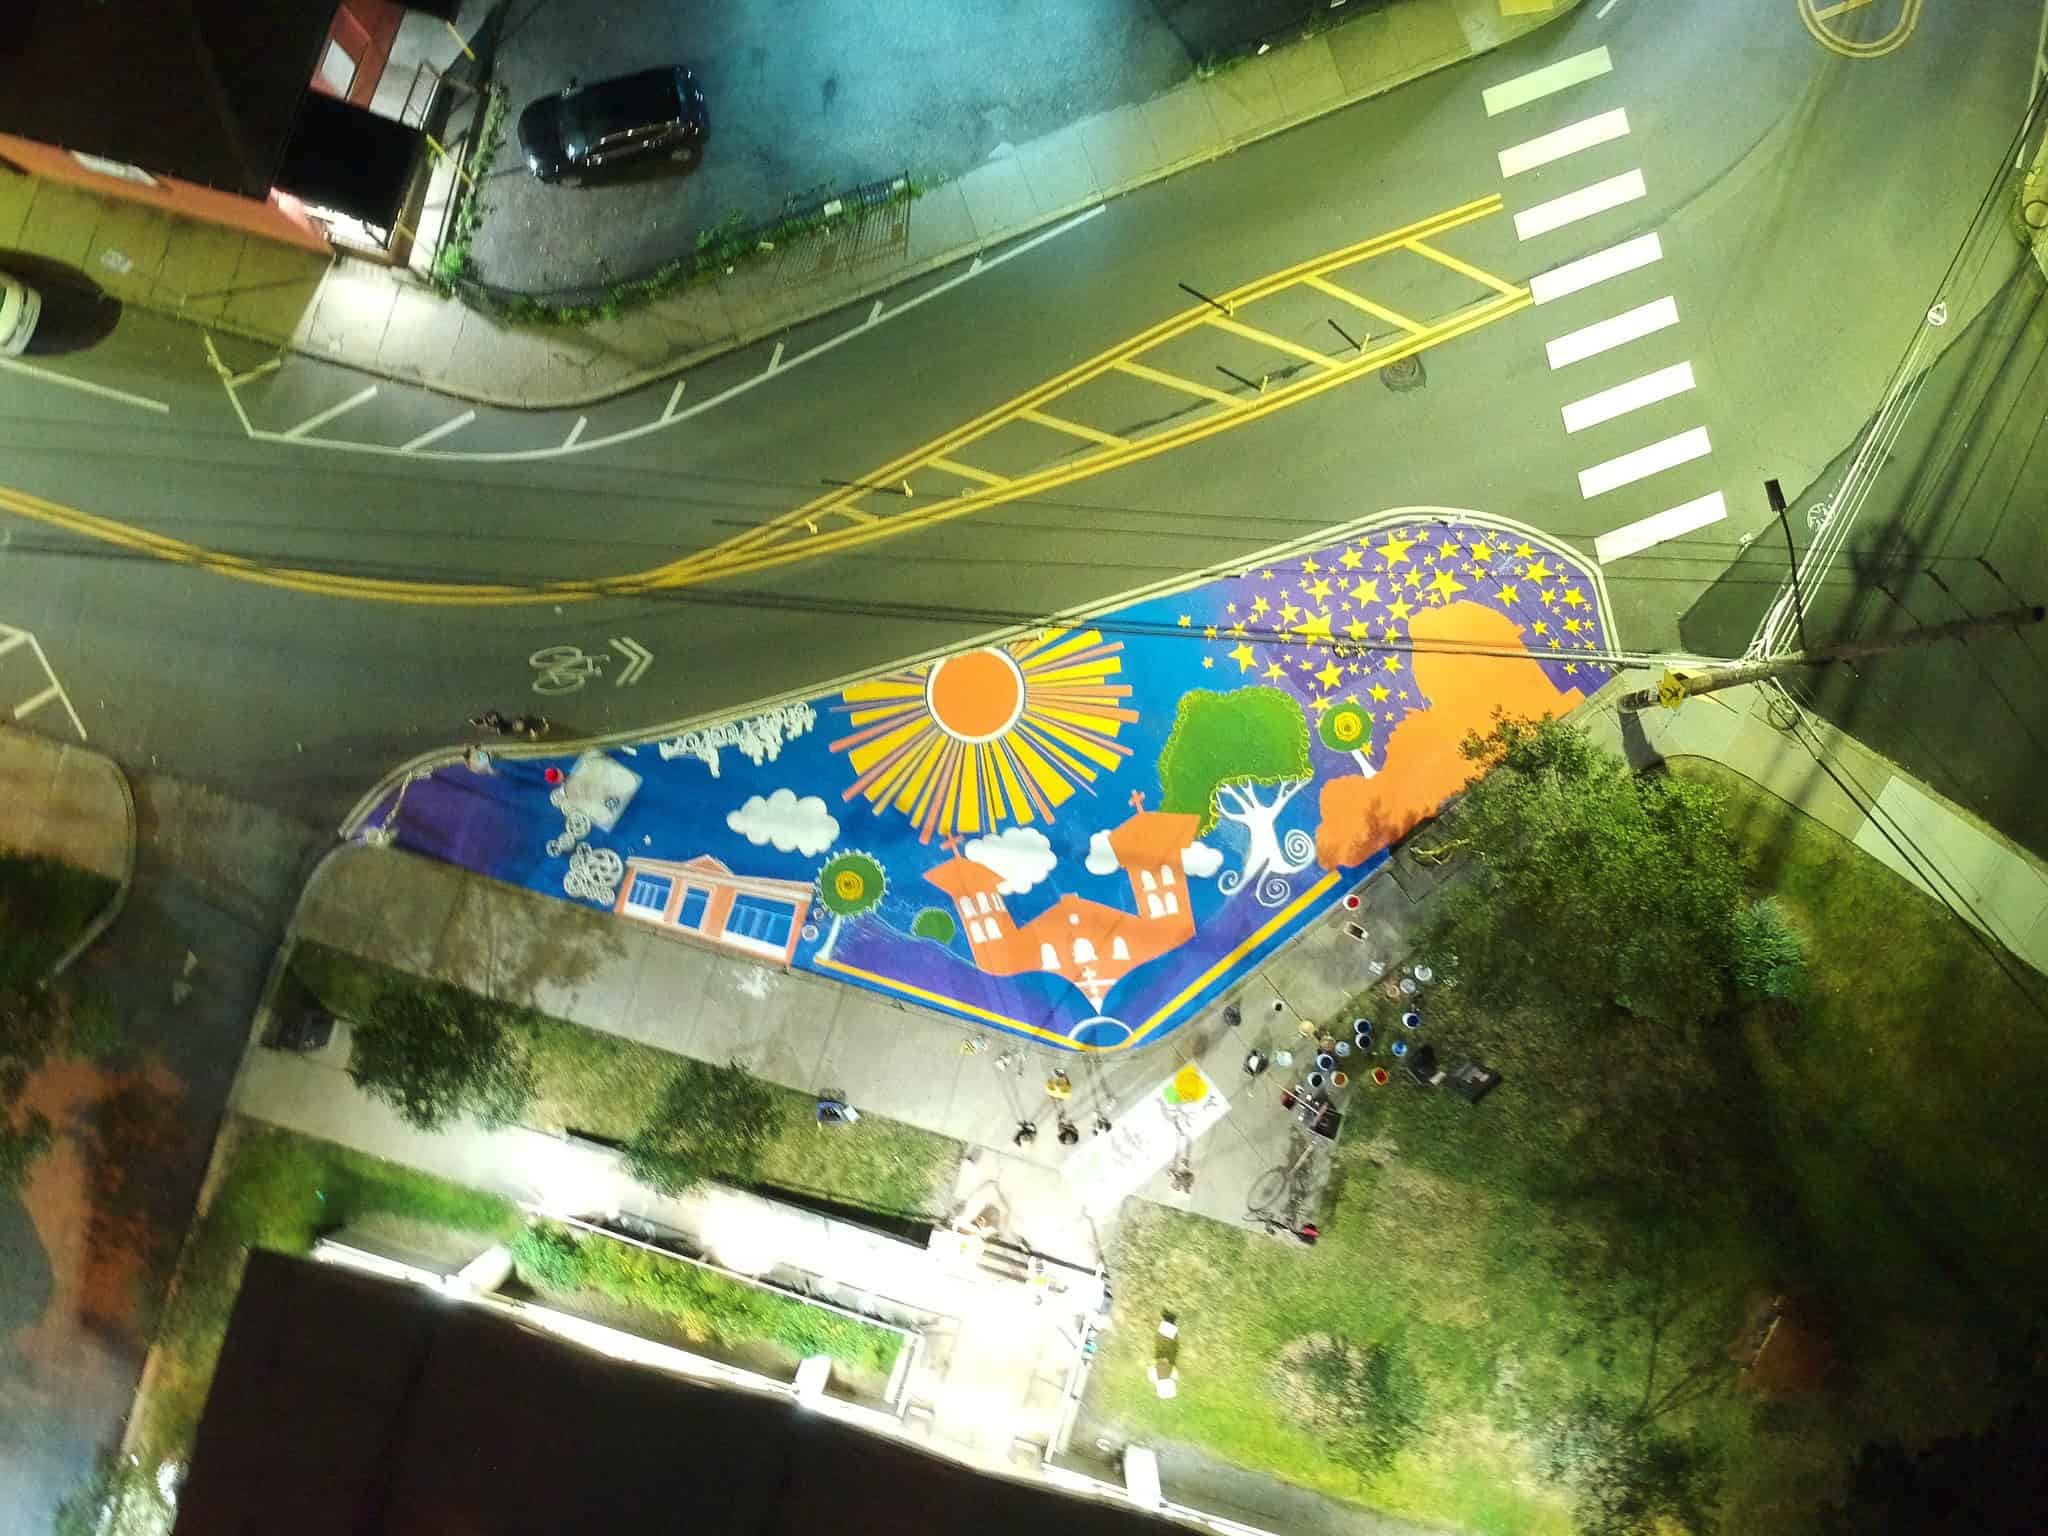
[1400, 1047]
[1283, 1058]
[1379, 1077]
[1326, 1060]
[1343, 1047]
[1424, 974]
[1315, 1081]
[1340, 1080]
[1411, 1020]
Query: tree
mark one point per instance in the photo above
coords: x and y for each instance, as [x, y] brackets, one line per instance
[936, 924]
[710, 1122]
[1627, 1477]
[850, 884]
[1223, 747]
[434, 1053]
[1596, 887]
[1991, 1483]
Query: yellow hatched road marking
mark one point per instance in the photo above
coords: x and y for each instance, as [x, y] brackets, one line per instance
[1175, 381]
[1074, 428]
[836, 522]
[1358, 301]
[1267, 338]
[966, 471]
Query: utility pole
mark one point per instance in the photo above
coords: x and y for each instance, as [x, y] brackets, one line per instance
[1674, 688]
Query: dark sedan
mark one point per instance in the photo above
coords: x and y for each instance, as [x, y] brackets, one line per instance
[590, 127]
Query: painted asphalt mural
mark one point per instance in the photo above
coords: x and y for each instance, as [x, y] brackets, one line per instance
[1083, 834]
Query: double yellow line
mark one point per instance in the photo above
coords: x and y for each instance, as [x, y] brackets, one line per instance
[838, 521]
[1817, 17]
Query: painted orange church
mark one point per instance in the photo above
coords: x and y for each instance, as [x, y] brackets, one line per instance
[1092, 945]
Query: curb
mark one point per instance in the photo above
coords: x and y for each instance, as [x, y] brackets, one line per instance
[114, 907]
[962, 252]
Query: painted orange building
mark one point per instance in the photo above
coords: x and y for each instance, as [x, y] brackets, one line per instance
[747, 914]
[1092, 945]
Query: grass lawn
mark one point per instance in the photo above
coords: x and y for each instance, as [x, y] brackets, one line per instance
[1617, 1221]
[605, 1085]
[279, 1191]
[45, 905]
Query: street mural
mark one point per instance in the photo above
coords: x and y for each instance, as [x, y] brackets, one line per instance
[1087, 833]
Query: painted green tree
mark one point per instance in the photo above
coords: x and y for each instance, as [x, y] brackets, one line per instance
[1225, 748]
[936, 924]
[850, 885]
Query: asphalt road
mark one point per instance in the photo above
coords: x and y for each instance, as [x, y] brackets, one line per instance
[1800, 240]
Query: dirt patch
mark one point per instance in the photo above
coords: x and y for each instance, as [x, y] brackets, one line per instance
[1785, 1347]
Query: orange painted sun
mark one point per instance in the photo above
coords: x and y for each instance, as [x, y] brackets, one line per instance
[1006, 733]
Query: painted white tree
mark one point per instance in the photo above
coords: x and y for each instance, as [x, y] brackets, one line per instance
[1224, 750]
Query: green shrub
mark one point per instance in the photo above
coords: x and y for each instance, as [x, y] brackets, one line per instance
[707, 1306]
[1770, 956]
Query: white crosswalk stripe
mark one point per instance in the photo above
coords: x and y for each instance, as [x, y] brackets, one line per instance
[1569, 140]
[1629, 256]
[1634, 538]
[1547, 81]
[1615, 331]
[1641, 463]
[1582, 204]
[1646, 389]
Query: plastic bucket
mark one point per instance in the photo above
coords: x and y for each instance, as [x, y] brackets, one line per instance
[1379, 1077]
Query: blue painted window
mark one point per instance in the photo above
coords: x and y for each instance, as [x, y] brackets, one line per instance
[761, 921]
[694, 903]
[649, 893]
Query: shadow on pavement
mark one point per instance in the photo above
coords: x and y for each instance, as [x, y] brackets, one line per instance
[77, 312]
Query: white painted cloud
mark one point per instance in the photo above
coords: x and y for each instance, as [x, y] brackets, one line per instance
[1020, 855]
[1101, 857]
[1200, 860]
[792, 825]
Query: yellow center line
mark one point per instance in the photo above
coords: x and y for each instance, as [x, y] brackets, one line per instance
[1175, 381]
[1074, 429]
[1463, 268]
[966, 471]
[1278, 343]
[1835, 10]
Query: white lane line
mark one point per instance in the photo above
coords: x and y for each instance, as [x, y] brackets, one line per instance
[1569, 140]
[1601, 14]
[576, 431]
[37, 701]
[1629, 325]
[775, 361]
[1582, 204]
[647, 428]
[435, 434]
[314, 422]
[1596, 268]
[1654, 459]
[19, 637]
[1632, 396]
[1547, 81]
[1634, 538]
[674, 398]
[85, 386]
[875, 313]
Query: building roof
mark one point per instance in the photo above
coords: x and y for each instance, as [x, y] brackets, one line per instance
[962, 876]
[346, 1405]
[203, 90]
[1152, 838]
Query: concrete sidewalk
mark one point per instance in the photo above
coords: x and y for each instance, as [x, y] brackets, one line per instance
[389, 322]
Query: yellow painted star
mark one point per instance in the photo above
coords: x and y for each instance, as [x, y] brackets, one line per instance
[1318, 589]
[1549, 596]
[1446, 586]
[1367, 591]
[1208, 661]
[1260, 607]
[1539, 571]
[1351, 559]
[1321, 703]
[1574, 598]
[1265, 575]
[1209, 632]
[1289, 613]
[1556, 644]
[1570, 667]
[1356, 629]
[1315, 628]
[1391, 664]
[1330, 676]
[1309, 566]
[1482, 552]
[1525, 550]
[1571, 626]
[1412, 577]
[1350, 698]
[1184, 621]
[1380, 693]
[1275, 673]
[1395, 550]
[1307, 665]
[1400, 609]
[1510, 594]
[1230, 607]
[1540, 627]
[1449, 549]
[1243, 656]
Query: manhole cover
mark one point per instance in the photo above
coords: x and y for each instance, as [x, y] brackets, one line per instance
[1404, 374]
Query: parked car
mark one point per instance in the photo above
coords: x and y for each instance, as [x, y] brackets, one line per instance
[590, 127]
[20, 307]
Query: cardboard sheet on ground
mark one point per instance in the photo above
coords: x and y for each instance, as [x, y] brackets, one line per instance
[1144, 1139]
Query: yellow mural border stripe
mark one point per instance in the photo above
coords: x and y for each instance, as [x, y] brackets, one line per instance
[1259, 936]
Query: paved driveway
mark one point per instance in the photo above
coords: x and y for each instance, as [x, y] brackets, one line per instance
[804, 101]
